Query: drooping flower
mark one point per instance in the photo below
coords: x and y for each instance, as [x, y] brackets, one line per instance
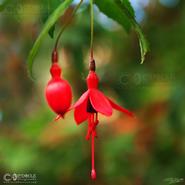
[58, 91]
[92, 102]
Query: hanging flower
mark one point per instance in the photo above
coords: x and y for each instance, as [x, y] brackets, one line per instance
[92, 102]
[58, 91]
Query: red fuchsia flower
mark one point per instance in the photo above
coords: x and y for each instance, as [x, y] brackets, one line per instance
[92, 102]
[58, 91]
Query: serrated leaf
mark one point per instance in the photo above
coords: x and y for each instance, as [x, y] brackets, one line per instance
[49, 23]
[110, 8]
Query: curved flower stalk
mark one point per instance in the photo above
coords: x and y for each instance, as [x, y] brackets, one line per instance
[58, 91]
[92, 102]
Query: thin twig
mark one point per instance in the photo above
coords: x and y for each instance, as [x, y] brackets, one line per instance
[67, 23]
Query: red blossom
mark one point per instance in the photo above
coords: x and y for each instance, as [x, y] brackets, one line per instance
[92, 102]
[95, 98]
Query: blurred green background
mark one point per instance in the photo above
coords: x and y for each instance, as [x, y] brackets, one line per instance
[148, 150]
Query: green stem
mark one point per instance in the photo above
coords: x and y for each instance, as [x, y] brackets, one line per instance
[92, 29]
[67, 23]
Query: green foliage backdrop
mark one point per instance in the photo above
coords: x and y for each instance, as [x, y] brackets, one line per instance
[147, 151]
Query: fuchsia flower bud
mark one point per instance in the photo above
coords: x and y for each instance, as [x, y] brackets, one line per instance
[58, 91]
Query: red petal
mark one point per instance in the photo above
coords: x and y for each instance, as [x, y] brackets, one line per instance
[83, 98]
[119, 108]
[99, 102]
[80, 112]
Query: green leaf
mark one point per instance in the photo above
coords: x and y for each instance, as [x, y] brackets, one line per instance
[129, 7]
[49, 23]
[47, 10]
[122, 12]
[143, 43]
[110, 8]
[51, 32]
[129, 12]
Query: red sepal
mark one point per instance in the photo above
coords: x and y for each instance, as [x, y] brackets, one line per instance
[99, 102]
[119, 108]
